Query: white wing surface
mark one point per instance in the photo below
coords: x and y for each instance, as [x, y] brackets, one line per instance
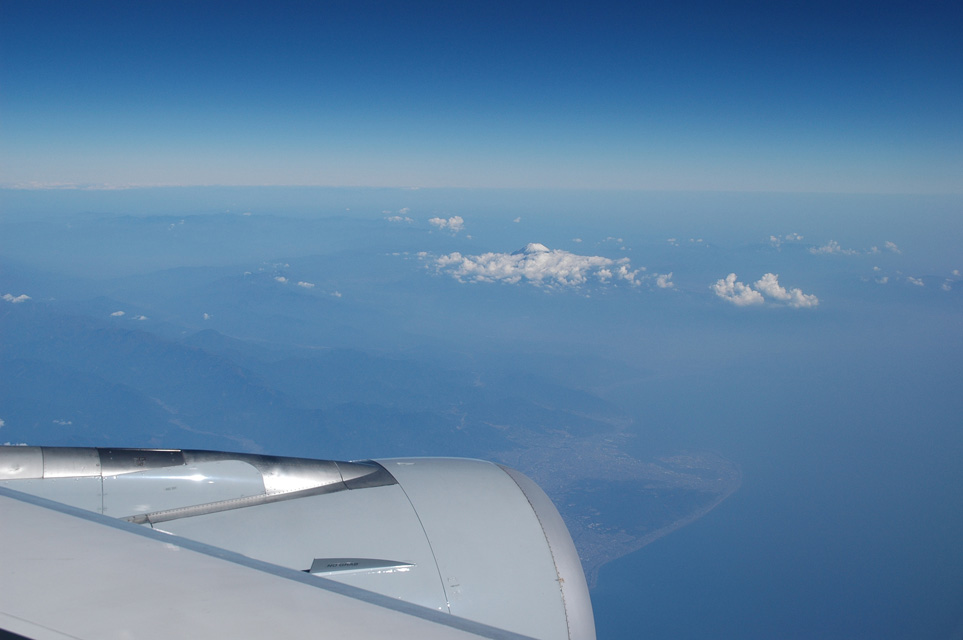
[239, 546]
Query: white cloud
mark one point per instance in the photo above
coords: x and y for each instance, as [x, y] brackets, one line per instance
[16, 299]
[735, 292]
[336, 294]
[453, 224]
[916, 281]
[832, 247]
[538, 265]
[664, 280]
[281, 279]
[576, 239]
[776, 241]
[117, 314]
[306, 285]
[141, 318]
[35, 185]
[518, 219]
[63, 423]
[882, 280]
[767, 286]
[208, 316]
[952, 278]
[891, 246]
[404, 219]
[2, 423]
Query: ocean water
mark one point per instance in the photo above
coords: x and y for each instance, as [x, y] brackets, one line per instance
[849, 521]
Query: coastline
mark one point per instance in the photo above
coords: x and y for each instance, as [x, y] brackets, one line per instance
[592, 571]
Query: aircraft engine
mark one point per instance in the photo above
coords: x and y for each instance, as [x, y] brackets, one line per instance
[466, 537]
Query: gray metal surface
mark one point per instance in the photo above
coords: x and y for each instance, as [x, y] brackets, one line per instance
[373, 523]
[491, 552]
[69, 573]
[464, 537]
[163, 489]
[158, 485]
[18, 463]
[575, 594]
[117, 461]
[70, 462]
[279, 475]
[364, 474]
[328, 566]
[83, 493]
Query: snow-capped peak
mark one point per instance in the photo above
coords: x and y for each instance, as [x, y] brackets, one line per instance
[530, 248]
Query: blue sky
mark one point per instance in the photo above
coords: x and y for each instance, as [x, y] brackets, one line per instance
[851, 97]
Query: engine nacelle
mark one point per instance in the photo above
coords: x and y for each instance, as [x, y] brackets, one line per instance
[467, 537]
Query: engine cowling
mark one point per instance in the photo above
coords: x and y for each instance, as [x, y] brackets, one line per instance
[467, 537]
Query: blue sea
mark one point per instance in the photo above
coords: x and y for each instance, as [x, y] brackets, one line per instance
[849, 521]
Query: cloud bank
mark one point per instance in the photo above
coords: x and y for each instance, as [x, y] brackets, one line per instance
[776, 241]
[538, 265]
[832, 247]
[766, 289]
[453, 224]
[401, 216]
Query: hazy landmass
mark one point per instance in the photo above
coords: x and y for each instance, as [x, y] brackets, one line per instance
[301, 336]
[72, 380]
[641, 356]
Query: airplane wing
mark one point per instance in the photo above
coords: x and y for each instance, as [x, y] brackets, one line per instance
[117, 543]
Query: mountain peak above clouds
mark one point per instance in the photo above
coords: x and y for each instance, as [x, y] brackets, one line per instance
[531, 248]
